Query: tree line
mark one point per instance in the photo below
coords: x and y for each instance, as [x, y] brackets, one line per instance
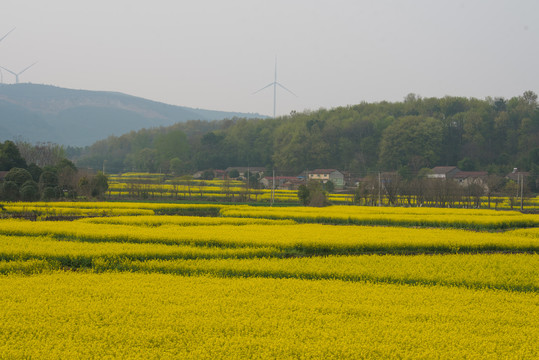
[56, 178]
[494, 134]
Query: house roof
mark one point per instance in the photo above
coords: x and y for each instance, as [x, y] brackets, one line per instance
[515, 175]
[246, 168]
[472, 174]
[322, 171]
[282, 178]
[443, 169]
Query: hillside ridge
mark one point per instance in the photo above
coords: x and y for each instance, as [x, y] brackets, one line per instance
[46, 113]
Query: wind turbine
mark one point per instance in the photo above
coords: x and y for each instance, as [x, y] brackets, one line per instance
[20, 72]
[274, 84]
[3, 37]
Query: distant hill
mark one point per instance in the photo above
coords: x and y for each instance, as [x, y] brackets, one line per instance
[43, 113]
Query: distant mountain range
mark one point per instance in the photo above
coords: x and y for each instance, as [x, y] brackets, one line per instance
[43, 113]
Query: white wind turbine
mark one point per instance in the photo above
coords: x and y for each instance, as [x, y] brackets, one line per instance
[19, 73]
[274, 84]
[3, 37]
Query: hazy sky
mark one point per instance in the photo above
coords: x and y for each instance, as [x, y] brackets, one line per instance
[214, 54]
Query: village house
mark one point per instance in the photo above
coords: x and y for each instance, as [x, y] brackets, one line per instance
[242, 170]
[325, 175]
[517, 176]
[282, 182]
[466, 178]
[443, 172]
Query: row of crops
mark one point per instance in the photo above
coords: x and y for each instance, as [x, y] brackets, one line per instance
[473, 219]
[154, 280]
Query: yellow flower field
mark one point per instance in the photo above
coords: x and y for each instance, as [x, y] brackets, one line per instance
[152, 316]
[243, 282]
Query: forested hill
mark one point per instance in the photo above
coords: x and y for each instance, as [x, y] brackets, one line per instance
[492, 134]
[42, 113]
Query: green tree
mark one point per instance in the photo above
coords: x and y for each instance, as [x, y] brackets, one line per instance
[18, 176]
[303, 194]
[10, 156]
[35, 171]
[233, 174]
[170, 145]
[48, 179]
[29, 191]
[467, 164]
[409, 137]
[10, 191]
[208, 175]
[99, 184]
[329, 186]
[147, 160]
[49, 193]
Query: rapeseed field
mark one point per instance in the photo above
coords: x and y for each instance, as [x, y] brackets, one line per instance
[131, 281]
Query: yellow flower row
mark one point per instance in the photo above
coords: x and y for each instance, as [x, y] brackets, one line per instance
[514, 272]
[396, 216]
[308, 238]
[84, 254]
[152, 316]
[183, 221]
[511, 272]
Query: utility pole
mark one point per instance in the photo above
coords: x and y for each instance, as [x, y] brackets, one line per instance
[521, 192]
[248, 183]
[272, 188]
[379, 188]
[518, 183]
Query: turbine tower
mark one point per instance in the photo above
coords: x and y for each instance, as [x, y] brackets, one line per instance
[20, 72]
[275, 84]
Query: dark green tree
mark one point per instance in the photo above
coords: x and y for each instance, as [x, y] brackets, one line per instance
[10, 156]
[467, 164]
[208, 175]
[18, 176]
[233, 174]
[35, 171]
[48, 179]
[303, 194]
[99, 184]
[29, 191]
[10, 191]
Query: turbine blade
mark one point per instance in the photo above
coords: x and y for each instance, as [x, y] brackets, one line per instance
[290, 91]
[9, 71]
[267, 86]
[3, 37]
[27, 68]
